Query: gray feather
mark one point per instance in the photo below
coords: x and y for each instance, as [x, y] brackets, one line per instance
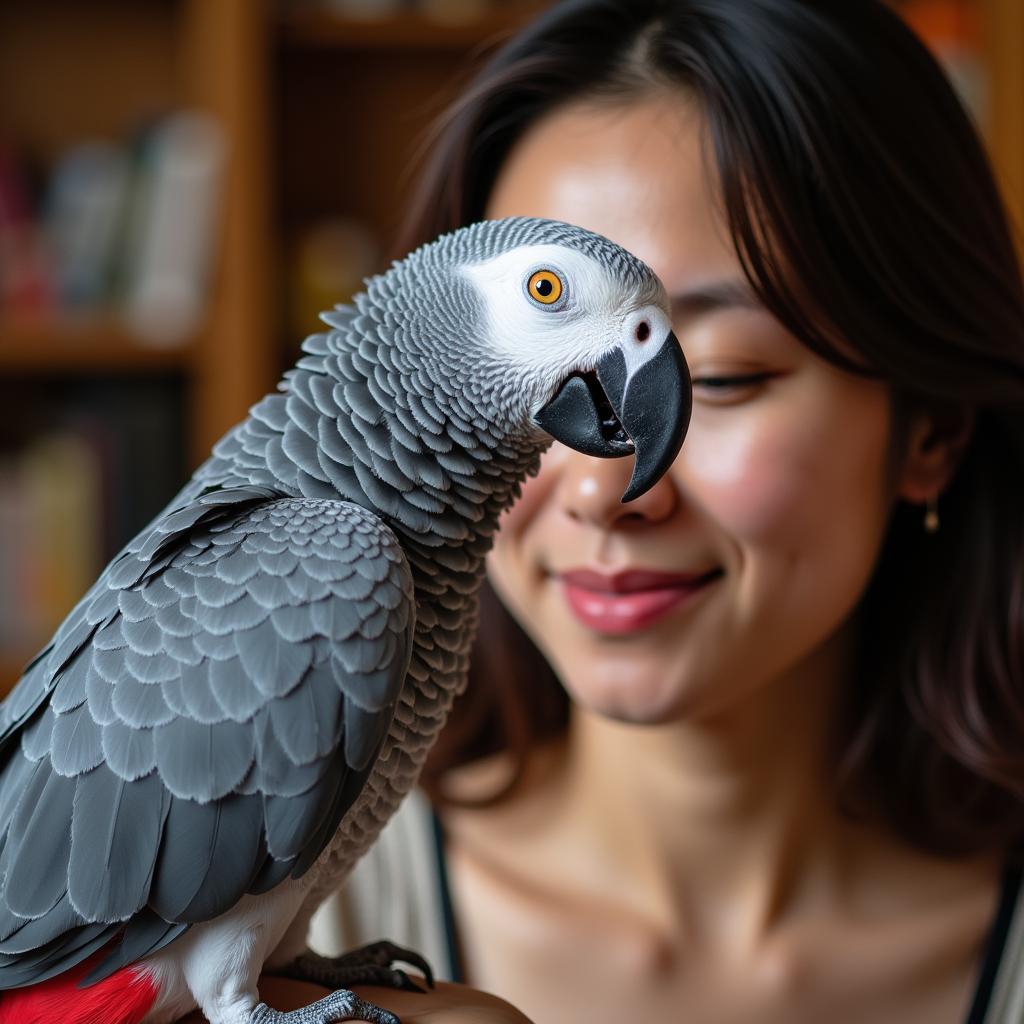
[129, 752]
[279, 464]
[203, 762]
[182, 649]
[207, 858]
[272, 873]
[157, 593]
[279, 562]
[35, 744]
[150, 668]
[364, 734]
[145, 935]
[335, 618]
[305, 589]
[271, 662]
[133, 606]
[55, 957]
[215, 592]
[23, 935]
[308, 722]
[271, 591]
[241, 614]
[359, 657]
[276, 774]
[294, 623]
[300, 448]
[139, 705]
[290, 821]
[115, 832]
[39, 845]
[238, 567]
[174, 694]
[69, 692]
[238, 698]
[219, 648]
[201, 705]
[75, 743]
[110, 637]
[172, 620]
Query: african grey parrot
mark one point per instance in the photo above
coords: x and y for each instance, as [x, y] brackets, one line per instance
[225, 721]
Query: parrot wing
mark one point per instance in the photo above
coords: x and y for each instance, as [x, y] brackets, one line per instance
[226, 694]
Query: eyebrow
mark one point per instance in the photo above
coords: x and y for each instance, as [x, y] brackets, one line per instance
[731, 293]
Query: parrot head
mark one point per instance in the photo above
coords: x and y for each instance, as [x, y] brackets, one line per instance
[553, 332]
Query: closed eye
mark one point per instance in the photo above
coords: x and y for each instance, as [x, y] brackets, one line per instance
[720, 384]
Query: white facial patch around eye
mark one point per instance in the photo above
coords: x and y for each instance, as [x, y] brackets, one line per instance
[540, 338]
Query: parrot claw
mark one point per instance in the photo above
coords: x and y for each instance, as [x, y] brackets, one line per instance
[369, 965]
[338, 1006]
[383, 954]
[401, 980]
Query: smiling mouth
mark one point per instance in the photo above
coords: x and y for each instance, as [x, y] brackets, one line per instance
[632, 601]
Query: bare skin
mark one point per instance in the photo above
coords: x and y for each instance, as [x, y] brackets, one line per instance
[681, 856]
[446, 1004]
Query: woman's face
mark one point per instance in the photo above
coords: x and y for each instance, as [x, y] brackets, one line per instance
[781, 490]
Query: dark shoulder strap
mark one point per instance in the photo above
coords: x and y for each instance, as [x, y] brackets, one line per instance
[1001, 980]
[458, 973]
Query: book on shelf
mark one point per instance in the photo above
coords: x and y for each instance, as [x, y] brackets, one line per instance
[127, 227]
[72, 492]
[49, 541]
[25, 284]
[169, 249]
[86, 206]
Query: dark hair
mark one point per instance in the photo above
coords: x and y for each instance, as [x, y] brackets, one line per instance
[864, 213]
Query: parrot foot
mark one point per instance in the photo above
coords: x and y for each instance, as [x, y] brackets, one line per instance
[369, 965]
[338, 1006]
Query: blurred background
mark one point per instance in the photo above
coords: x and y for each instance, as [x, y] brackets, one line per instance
[184, 184]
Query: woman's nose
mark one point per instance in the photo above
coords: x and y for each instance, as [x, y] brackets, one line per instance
[590, 491]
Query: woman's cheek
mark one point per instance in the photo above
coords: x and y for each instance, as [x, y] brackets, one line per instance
[752, 483]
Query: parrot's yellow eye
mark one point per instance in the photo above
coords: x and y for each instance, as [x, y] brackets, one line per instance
[545, 286]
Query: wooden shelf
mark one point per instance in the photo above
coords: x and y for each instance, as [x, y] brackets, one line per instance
[323, 30]
[93, 343]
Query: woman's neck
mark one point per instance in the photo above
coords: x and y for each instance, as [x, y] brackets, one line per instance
[730, 821]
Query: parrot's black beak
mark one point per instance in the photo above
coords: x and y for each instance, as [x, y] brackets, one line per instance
[609, 412]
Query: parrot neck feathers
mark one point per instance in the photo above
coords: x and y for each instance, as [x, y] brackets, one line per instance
[358, 419]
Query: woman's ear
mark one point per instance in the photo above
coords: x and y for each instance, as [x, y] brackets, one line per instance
[935, 441]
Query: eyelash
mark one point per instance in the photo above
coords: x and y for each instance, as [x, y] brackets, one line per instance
[724, 383]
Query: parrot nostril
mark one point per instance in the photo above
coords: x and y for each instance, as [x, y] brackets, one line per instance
[643, 331]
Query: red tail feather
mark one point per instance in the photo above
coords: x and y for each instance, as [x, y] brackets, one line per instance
[123, 998]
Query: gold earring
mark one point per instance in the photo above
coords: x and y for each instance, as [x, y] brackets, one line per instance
[931, 516]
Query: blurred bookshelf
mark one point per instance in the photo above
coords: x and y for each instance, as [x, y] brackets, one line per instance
[91, 343]
[134, 229]
[321, 107]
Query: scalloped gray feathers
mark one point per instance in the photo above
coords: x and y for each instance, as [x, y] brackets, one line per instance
[205, 718]
[197, 737]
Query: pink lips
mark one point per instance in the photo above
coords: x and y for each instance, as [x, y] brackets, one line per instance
[628, 601]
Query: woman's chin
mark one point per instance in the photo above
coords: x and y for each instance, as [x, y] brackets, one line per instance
[630, 695]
